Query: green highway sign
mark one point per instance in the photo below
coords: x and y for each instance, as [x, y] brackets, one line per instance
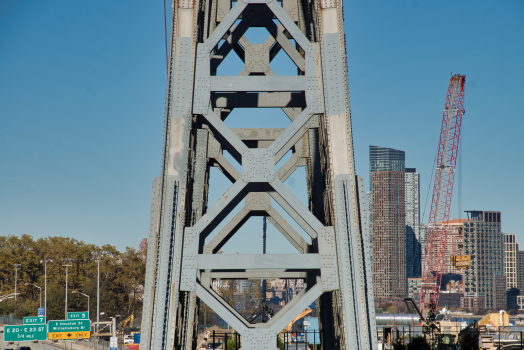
[69, 326]
[78, 316]
[25, 332]
[34, 320]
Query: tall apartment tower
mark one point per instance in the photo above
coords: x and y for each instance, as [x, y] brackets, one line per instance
[369, 212]
[520, 270]
[386, 167]
[423, 236]
[484, 242]
[412, 217]
[511, 247]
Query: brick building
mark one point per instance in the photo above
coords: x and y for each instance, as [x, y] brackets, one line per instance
[388, 222]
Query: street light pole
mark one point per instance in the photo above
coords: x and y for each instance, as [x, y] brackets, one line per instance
[34, 285]
[16, 278]
[98, 296]
[45, 261]
[67, 275]
[88, 300]
[97, 256]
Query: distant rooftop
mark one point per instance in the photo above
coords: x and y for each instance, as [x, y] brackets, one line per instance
[386, 159]
[454, 222]
[484, 215]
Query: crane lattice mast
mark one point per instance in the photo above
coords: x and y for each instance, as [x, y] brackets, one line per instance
[442, 190]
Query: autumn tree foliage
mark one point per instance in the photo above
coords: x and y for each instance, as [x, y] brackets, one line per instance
[121, 277]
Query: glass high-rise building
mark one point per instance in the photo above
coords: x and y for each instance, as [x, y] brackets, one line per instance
[386, 159]
[386, 167]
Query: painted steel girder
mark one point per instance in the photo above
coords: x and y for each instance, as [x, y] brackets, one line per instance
[179, 267]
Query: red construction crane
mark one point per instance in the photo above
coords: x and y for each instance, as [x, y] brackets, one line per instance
[442, 189]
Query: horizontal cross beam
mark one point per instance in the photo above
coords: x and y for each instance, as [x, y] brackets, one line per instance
[258, 100]
[258, 83]
[259, 261]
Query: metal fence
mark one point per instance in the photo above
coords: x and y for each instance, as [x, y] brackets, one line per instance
[224, 341]
[300, 340]
[287, 340]
[100, 344]
[10, 320]
[508, 337]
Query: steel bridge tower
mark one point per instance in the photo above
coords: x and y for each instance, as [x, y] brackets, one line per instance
[334, 260]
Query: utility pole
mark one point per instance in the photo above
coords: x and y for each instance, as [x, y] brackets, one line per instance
[98, 295]
[16, 278]
[264, 287]
[98, 257]
[45, 261]
[67, 275]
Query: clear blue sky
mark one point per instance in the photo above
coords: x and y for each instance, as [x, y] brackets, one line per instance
[82, 92]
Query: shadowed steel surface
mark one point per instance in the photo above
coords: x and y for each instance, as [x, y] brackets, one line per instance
[333, 257]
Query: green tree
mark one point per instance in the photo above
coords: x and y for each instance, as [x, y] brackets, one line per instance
[392, 309]
[121, 276]
[399, 345]
[469, 339]
[232, 344]
[418, 343]
[251, 296]
[227, 290]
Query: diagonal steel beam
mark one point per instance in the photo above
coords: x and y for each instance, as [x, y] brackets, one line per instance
[227, 232]
[227, 168]
[290, 136]
[291, 310]
[225, 311]
[225, 25]
[294, 207]
[277, 32]
[288, 231]
[289, 167]
[234, 145]
[232, 39]
[220, 209]
[288, 23]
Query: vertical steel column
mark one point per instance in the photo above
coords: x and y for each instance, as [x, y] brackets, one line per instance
[163, 300]
[151, 266]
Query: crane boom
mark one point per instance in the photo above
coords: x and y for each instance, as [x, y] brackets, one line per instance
[442, 191]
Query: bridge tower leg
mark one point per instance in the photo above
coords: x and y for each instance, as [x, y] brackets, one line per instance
[334, 256]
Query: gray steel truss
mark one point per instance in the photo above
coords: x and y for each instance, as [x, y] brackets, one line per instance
[184, 242]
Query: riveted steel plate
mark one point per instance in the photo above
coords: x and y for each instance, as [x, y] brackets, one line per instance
[258, 201]
[258, 165]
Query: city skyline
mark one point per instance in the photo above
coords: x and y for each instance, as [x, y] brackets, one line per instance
[82, 95]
